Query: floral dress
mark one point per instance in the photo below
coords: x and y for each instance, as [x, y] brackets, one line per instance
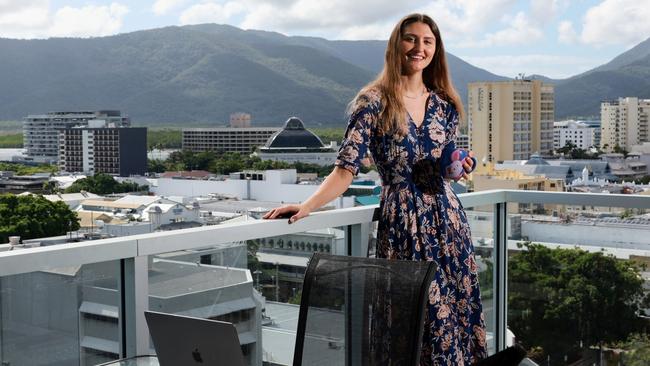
[422, 219]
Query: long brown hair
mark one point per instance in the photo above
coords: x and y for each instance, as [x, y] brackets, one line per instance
[388, 83]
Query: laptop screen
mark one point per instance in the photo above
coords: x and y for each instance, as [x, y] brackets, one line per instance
[182, 340]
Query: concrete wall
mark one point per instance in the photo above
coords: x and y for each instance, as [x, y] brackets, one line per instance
[601, 234]
[272, 191]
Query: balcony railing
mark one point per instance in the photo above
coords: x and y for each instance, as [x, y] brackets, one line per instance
[85, 301]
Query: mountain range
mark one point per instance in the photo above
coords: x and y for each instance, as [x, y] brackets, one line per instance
[627, 75]
[200, 74]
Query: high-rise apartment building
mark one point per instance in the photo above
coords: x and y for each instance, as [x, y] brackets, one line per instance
[624, 122]
[241, 140]
[98, 148]
[578, 132]
[510, 120]
[41, 131]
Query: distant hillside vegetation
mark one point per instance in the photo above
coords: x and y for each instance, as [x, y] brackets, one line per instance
[627, 75]
[195, 74]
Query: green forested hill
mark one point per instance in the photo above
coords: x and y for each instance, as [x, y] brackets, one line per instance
[201, 74]
[627, 75]
[193, 74]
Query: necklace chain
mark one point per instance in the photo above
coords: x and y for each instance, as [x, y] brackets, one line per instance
[424, 90]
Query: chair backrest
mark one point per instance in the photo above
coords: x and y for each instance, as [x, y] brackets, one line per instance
[362, 311]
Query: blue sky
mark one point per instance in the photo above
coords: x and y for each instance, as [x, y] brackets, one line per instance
[556, 38]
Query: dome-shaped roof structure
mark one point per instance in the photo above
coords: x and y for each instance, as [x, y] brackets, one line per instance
[536, 159]
[294, 135]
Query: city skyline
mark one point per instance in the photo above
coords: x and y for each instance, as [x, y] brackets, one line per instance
[554, 38]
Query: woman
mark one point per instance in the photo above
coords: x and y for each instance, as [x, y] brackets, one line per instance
[408, 118]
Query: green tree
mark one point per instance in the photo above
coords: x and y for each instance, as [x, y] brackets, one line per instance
[228, 163]
[189, 160]
[637, 350]
[618, 149]
[50, 187]
[11, 140]
[329, 134]
[164, 139]
[295, 298]
[103, 184]
[560, 298]
[33, 216]
[156, 166]
[22, 169]
[566, 149]
[572, 151]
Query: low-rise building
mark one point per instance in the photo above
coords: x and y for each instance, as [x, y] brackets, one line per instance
[10, 183]
[578, 133]
[152, 212]
[241, 140]
[486, 177]
[626, 168]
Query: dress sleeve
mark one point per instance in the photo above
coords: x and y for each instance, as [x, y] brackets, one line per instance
[356, 142]
[451, 130]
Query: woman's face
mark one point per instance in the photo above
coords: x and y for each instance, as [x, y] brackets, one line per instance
[417, 47]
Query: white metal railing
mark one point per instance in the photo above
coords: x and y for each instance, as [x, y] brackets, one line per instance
[132, 251]
[55, 256]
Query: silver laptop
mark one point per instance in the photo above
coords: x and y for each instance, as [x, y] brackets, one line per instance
[184, 341]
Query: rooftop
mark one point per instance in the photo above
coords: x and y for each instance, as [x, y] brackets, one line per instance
[294, 134]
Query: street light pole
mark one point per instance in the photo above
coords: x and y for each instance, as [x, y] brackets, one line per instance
[277, 281]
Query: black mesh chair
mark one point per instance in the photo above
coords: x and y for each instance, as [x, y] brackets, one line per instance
[362, 311]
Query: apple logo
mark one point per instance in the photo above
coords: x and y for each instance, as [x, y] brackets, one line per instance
[196, 355]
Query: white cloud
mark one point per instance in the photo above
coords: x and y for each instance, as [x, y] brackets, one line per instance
[19, 19]
[88, 21]
[520, 31]
[553, 66]
[211, 13]
[33, 19]
[616, 22]
[459, 20]
[463, 20]
[334, 16]
[370, 31]
[566, 33]
[162, 7]
[545, 11]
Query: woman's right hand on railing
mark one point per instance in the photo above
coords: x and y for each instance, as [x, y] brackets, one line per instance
[293, 212]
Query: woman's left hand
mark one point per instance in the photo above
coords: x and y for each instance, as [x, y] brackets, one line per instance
[468, 165]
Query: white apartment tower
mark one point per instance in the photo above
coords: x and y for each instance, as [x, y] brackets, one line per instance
[41, 131]
[579, 133]
[624, 123]
[510, 120]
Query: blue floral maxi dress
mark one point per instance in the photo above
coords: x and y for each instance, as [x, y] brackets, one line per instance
[422, 219]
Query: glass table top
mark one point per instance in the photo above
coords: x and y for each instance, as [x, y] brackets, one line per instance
[134, 361]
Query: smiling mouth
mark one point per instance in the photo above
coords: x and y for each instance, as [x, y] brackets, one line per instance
[414, 58]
